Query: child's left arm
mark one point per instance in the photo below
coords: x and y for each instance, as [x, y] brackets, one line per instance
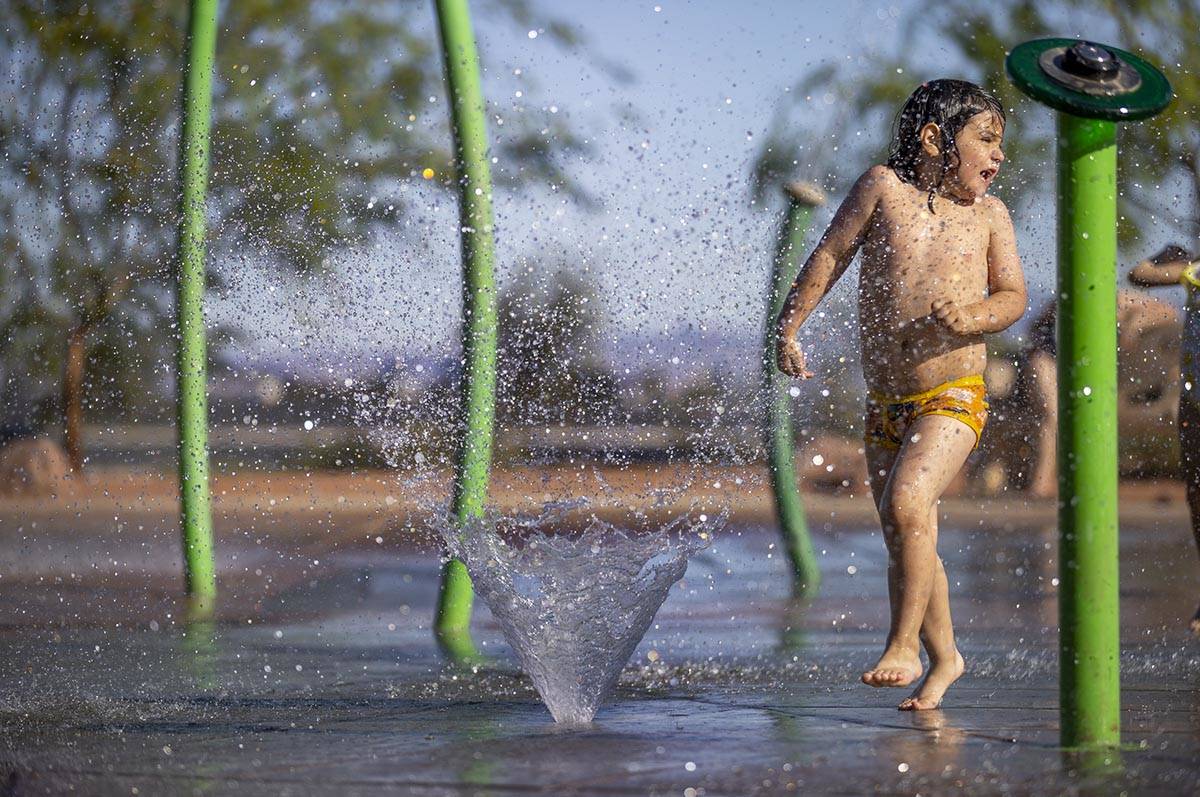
[1006, 283]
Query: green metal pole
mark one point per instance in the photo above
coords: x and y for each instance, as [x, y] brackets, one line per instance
[1089, 651]
[452, 625]
[789, 506]
[192, 406]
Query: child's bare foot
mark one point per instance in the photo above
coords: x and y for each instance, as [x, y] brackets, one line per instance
[896, 668]
[1195, 625]
[929, 693]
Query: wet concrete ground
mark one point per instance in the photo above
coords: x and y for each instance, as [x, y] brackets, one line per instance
[326, 680]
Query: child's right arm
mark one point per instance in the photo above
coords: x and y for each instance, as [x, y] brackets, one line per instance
[826, 265]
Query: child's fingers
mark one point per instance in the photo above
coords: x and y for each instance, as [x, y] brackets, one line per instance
[791, 362]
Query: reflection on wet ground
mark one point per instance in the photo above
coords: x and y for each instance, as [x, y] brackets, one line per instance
[332, 682]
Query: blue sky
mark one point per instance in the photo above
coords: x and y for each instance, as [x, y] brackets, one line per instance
[675, 245]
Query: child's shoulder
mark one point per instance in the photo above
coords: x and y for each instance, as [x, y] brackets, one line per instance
[880, 177]
[994, 210]
[875, 182]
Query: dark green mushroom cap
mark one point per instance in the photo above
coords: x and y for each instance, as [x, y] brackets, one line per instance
[1094, 81]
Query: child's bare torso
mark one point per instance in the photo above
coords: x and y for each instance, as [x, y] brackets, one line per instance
[910, 258]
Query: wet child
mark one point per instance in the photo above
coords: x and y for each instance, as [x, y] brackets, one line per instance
[939, 270]
[1174, 266]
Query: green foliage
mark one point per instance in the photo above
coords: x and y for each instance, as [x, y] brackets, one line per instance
[851, 130]
[318, 109]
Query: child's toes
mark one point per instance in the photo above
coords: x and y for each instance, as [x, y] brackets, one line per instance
[877, 677]
[919, 704]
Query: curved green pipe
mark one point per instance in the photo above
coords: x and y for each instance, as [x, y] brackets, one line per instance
[789, 506]
[455, 596]
[192, 384]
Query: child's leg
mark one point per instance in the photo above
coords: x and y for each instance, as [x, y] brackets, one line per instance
[880, 460]
[937, 633]
[1042, 376]
[1189, 443]
[934, 450]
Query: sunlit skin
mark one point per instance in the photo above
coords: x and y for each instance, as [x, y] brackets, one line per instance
[1152, 274]
[931, 285]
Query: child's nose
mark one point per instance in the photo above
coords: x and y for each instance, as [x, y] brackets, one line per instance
[998, 155]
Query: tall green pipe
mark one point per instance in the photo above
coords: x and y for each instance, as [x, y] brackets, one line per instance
[1092, 86]
[1089, 647]
[452, 625]
[192, 402]
[780, 443]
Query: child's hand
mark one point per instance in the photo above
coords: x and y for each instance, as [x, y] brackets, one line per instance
[790, 358]
[953, 317]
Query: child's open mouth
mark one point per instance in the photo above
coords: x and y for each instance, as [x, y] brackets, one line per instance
[988, 174]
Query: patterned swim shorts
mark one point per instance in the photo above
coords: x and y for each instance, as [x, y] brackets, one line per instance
[888, 417]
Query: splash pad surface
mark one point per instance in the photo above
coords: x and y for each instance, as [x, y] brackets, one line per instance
[335, 685]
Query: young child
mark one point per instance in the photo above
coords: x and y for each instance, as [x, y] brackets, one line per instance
[1174, 266]
[939, 269]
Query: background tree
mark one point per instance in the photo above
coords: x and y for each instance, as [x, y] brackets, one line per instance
[319, 108]
[551, 368]
[837, 119]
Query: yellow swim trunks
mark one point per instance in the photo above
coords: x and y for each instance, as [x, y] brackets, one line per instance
[888, 417]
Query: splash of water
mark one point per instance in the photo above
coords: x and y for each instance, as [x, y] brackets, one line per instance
[574, 605]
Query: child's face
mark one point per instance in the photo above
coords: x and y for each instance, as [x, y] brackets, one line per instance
[979, 155]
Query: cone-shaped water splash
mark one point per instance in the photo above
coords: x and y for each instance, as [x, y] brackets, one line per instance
[574, 605]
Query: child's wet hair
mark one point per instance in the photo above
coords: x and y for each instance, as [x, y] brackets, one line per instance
[947, 103]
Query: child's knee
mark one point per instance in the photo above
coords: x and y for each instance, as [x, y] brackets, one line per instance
[904, 513]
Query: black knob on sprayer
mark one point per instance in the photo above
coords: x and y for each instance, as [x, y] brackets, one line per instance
[1088, 78]
[1090, 60]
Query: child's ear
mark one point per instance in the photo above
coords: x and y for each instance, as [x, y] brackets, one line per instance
[931, 139]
